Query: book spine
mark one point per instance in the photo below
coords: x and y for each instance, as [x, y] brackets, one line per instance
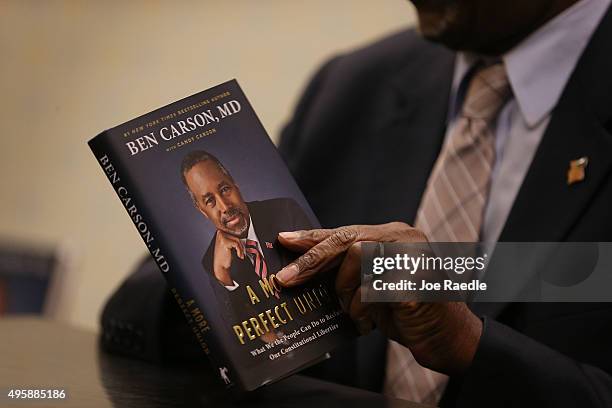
[127, 192]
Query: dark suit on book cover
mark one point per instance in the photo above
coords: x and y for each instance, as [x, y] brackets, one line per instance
[377, 118]
[269, 217]
[243, 253]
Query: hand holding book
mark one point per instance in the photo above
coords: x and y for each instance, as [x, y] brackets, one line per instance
[442, 336]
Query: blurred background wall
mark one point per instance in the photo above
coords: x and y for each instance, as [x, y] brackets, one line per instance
[70, 69]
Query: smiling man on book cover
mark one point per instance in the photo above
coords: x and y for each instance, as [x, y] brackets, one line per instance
[243, 252]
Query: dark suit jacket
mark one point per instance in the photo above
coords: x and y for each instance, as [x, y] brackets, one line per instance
[361, 145]
[385, 107]
[269, 217]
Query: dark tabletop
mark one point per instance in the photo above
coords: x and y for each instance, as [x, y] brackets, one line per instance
[41, 354]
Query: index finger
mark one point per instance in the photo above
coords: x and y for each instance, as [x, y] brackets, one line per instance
[319, 257]
[236, 244]
[302, 240]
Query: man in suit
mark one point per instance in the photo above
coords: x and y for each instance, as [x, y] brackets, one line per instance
[397, 108]
[243, 251]
[414, 103]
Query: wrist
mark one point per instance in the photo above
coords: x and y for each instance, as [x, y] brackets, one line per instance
[466, 342]
[222, 274]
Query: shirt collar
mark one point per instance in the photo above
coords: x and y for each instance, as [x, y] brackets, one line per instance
[539, 67]
[251, 234]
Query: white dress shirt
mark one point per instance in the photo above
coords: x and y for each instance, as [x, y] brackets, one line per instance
[252, 236]
[538, 69]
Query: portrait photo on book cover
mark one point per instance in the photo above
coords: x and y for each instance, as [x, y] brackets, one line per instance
[244, 251]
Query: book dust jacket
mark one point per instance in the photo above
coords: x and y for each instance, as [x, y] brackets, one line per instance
[208, 193]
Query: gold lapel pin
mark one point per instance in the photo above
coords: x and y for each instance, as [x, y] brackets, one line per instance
[575, 173]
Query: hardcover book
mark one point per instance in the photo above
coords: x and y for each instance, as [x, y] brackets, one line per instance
[208, 193]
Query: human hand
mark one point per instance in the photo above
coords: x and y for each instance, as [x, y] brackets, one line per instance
[442, 336]
[222, 257]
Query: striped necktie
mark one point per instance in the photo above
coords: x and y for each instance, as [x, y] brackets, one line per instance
[452, 209]
[253, 252]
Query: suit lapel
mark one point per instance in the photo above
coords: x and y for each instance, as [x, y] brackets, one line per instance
[410, 130]
[546, 207]
[265, 235]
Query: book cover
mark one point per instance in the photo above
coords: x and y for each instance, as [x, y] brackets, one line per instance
[208, 193]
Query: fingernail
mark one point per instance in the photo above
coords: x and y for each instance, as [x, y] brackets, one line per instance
[275, 283]
[289, 234]
[287, 274]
